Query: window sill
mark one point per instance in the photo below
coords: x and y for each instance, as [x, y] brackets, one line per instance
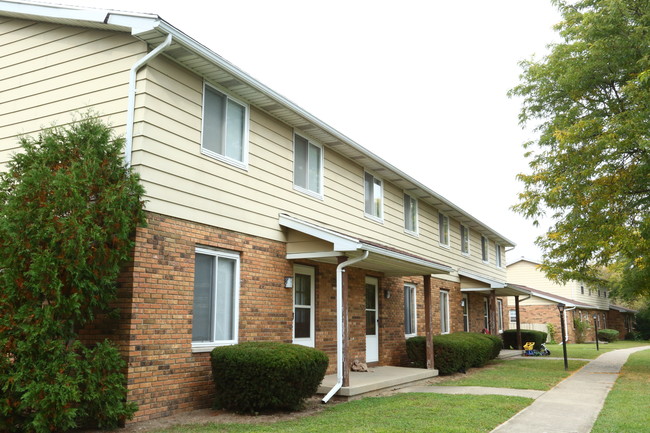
[374, 218]
[235, 163]
[412, 233]
[208, 347]
[446, 246]
[316, 195]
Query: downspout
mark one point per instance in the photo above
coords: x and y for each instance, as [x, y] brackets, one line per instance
[566, 323]
[130, 114]
[339, 324]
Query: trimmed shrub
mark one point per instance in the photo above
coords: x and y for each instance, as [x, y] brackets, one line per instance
[455, 352]
[256, 376]
[580, 329]
[510, 338]
[609, 335]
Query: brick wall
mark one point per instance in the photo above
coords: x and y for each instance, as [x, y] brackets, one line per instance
[616, 320]
[154, 331]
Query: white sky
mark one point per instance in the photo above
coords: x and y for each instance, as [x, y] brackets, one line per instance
[422, 84]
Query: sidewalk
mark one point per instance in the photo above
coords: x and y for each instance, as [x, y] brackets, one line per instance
[573, 405]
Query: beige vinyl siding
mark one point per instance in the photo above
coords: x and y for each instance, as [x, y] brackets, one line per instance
[50, 72]
[182, 182]
[593, 299]
[527, 274]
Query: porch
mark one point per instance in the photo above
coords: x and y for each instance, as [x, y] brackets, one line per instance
[375, 380]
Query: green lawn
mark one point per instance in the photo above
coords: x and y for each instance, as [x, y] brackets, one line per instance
[541, 374]
[588, 350]
[626, 407]
[397, 413]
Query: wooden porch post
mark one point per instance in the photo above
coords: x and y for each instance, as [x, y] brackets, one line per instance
[493, 313]
[428, 321]
[344, 320]
[519, 346]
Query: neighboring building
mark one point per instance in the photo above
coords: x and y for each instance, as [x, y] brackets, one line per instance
[254, 208]
[582, 301]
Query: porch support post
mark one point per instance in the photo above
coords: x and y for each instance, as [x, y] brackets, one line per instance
[493, 313]
[519, 346]
[428, 321]
[344, 321]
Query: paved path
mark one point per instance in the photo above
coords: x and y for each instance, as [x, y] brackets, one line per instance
[475, 390]
[573, 405]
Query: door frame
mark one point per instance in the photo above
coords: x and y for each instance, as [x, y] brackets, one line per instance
[372, 341]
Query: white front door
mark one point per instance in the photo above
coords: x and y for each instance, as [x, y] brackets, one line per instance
[372, 320]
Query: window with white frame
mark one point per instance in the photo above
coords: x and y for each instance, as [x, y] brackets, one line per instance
[374, 196]
[444, 312]
[410, 214]
[464, 239]
[500, 315]
[513, 316]
[485, 244]
[443, 229]
[410, 310]
[497, 253]
[307, 166]
[486, 314]
[465, 312]
[216, 299]
[225, 127]
[304, 286]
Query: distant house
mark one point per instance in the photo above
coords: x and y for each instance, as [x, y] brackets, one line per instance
[264, 223]
[582, 302]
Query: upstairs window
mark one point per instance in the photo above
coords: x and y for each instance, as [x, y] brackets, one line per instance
[497, 253]
[464, 239]
[410, 214]
[225, 127]
[484, 248]
[443, 229]
[307, 166]
[374, 197]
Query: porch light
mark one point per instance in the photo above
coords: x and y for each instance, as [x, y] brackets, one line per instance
[288, 282]
[387, 294]
[462, 303]
[560, 308]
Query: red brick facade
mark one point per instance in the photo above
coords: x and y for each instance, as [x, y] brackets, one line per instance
[154, 331]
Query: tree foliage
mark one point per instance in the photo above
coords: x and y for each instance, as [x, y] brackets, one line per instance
[68, 211]
[590, 167]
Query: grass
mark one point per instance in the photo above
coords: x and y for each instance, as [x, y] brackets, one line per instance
[540, 374]
[397, 413]
[626, 407]
[588, 350]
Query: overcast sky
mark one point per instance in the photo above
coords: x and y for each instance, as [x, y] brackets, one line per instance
[422, 84]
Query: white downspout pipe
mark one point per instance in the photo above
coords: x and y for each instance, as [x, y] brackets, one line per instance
[566, 323]
[339, 324]
[130, 113]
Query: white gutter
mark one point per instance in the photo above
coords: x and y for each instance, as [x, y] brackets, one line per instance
[130, 114]
[339, 324]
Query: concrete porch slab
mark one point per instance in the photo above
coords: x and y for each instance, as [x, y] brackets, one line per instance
[376, 379]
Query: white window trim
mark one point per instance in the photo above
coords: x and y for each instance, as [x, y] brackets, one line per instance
[466, 309]
[223, 158]
[207, 346]
[448, 244]
[487, 249]
[447, 321]
[414, 306]
[500, 324]
[469, 241]
[486, 313]
[316, 194]
[498, 262]
[417, 217]
[365, 197]
[512, 318]
[311, 341]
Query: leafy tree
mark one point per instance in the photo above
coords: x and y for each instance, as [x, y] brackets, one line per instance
[590, 166]
[68, 211]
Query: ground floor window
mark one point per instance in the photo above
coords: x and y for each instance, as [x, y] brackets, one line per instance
[444, 312]
[465, 313]
[486, 314]
[500, 315]
[410, 311]
[513, 316]
[303, 305]
[216, 298]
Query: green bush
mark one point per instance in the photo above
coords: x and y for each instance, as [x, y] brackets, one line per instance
[581, 327]
[642, 324]
[510, 338]
[455, 352]
[256, 376]
[609, 335]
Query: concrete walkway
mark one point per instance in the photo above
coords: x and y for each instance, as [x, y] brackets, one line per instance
[573, 405]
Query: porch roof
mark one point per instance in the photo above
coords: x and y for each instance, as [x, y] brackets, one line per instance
[500, 288]
[306, 240]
